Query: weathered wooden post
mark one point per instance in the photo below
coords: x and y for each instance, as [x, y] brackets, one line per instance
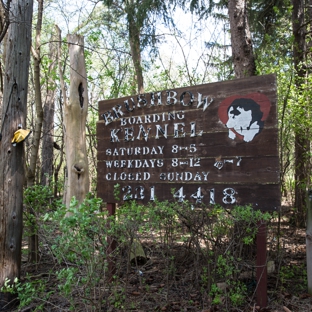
[261, 264]
[111, 243]
[309, 240]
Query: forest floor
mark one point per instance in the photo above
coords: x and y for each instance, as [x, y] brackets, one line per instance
[149, 287]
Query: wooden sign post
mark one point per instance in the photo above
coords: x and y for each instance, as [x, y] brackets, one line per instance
[261, 265]
[214, 144]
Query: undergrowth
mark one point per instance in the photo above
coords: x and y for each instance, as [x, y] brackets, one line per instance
[212, 246]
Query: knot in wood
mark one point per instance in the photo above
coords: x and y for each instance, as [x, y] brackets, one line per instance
[78, 169]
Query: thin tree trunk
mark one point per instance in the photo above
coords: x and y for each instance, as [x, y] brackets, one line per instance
[64, 96]
[59, 161]
[48, 121]
[302, 143]
[75, 117]
[31, 170]
[242, 51]
[4, 24]
[134, 38]
[309, 240]
[4, 18]
[12, 174]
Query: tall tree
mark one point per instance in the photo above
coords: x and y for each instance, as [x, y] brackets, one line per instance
[140, 16]
[134, 27]
[302, 143]
[265, 19]
[31, 169]
[242, 49]
[48, 118]
[12, 158]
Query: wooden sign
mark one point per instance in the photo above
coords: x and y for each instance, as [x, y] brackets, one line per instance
[214, 144]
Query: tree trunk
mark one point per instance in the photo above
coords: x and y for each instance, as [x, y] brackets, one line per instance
[242, 51]
[75, 116]
[31, 170]
[64, 97]
[12, 158]
[4, 24]
[302, 144]
[309, 240]
[134, 38]
[48, 121]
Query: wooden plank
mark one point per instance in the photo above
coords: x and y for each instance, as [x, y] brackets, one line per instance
[218, 91]
[208, 120]
[217, 170]
[213, 145]
[263, 197]
[261, 264]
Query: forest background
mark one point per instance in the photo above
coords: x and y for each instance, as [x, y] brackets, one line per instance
[188, 261]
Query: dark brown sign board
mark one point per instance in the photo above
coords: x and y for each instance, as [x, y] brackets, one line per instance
[214, 143]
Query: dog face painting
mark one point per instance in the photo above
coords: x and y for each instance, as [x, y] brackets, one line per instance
[244, 115]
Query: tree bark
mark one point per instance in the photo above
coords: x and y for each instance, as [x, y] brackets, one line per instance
[31, 170]
[48, 121]
[242, 51]
[4, 18]
[75, 117]
[64, 97]
[12, 159]
[4, 25]
[309, 240]
[134, 39]
[302, 143]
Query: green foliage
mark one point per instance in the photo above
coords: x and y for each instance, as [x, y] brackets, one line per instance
[117, 191]
[140, 16]
[215, 294]
[291, 273]
[8, 287]
[294, 92]
[82, 231]
[266, 19]
[81, 243]
[238, 293]
[37, 199]
[28, 291]
[214, 237]
[79, 240]
[68, 278]
[225, 234]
